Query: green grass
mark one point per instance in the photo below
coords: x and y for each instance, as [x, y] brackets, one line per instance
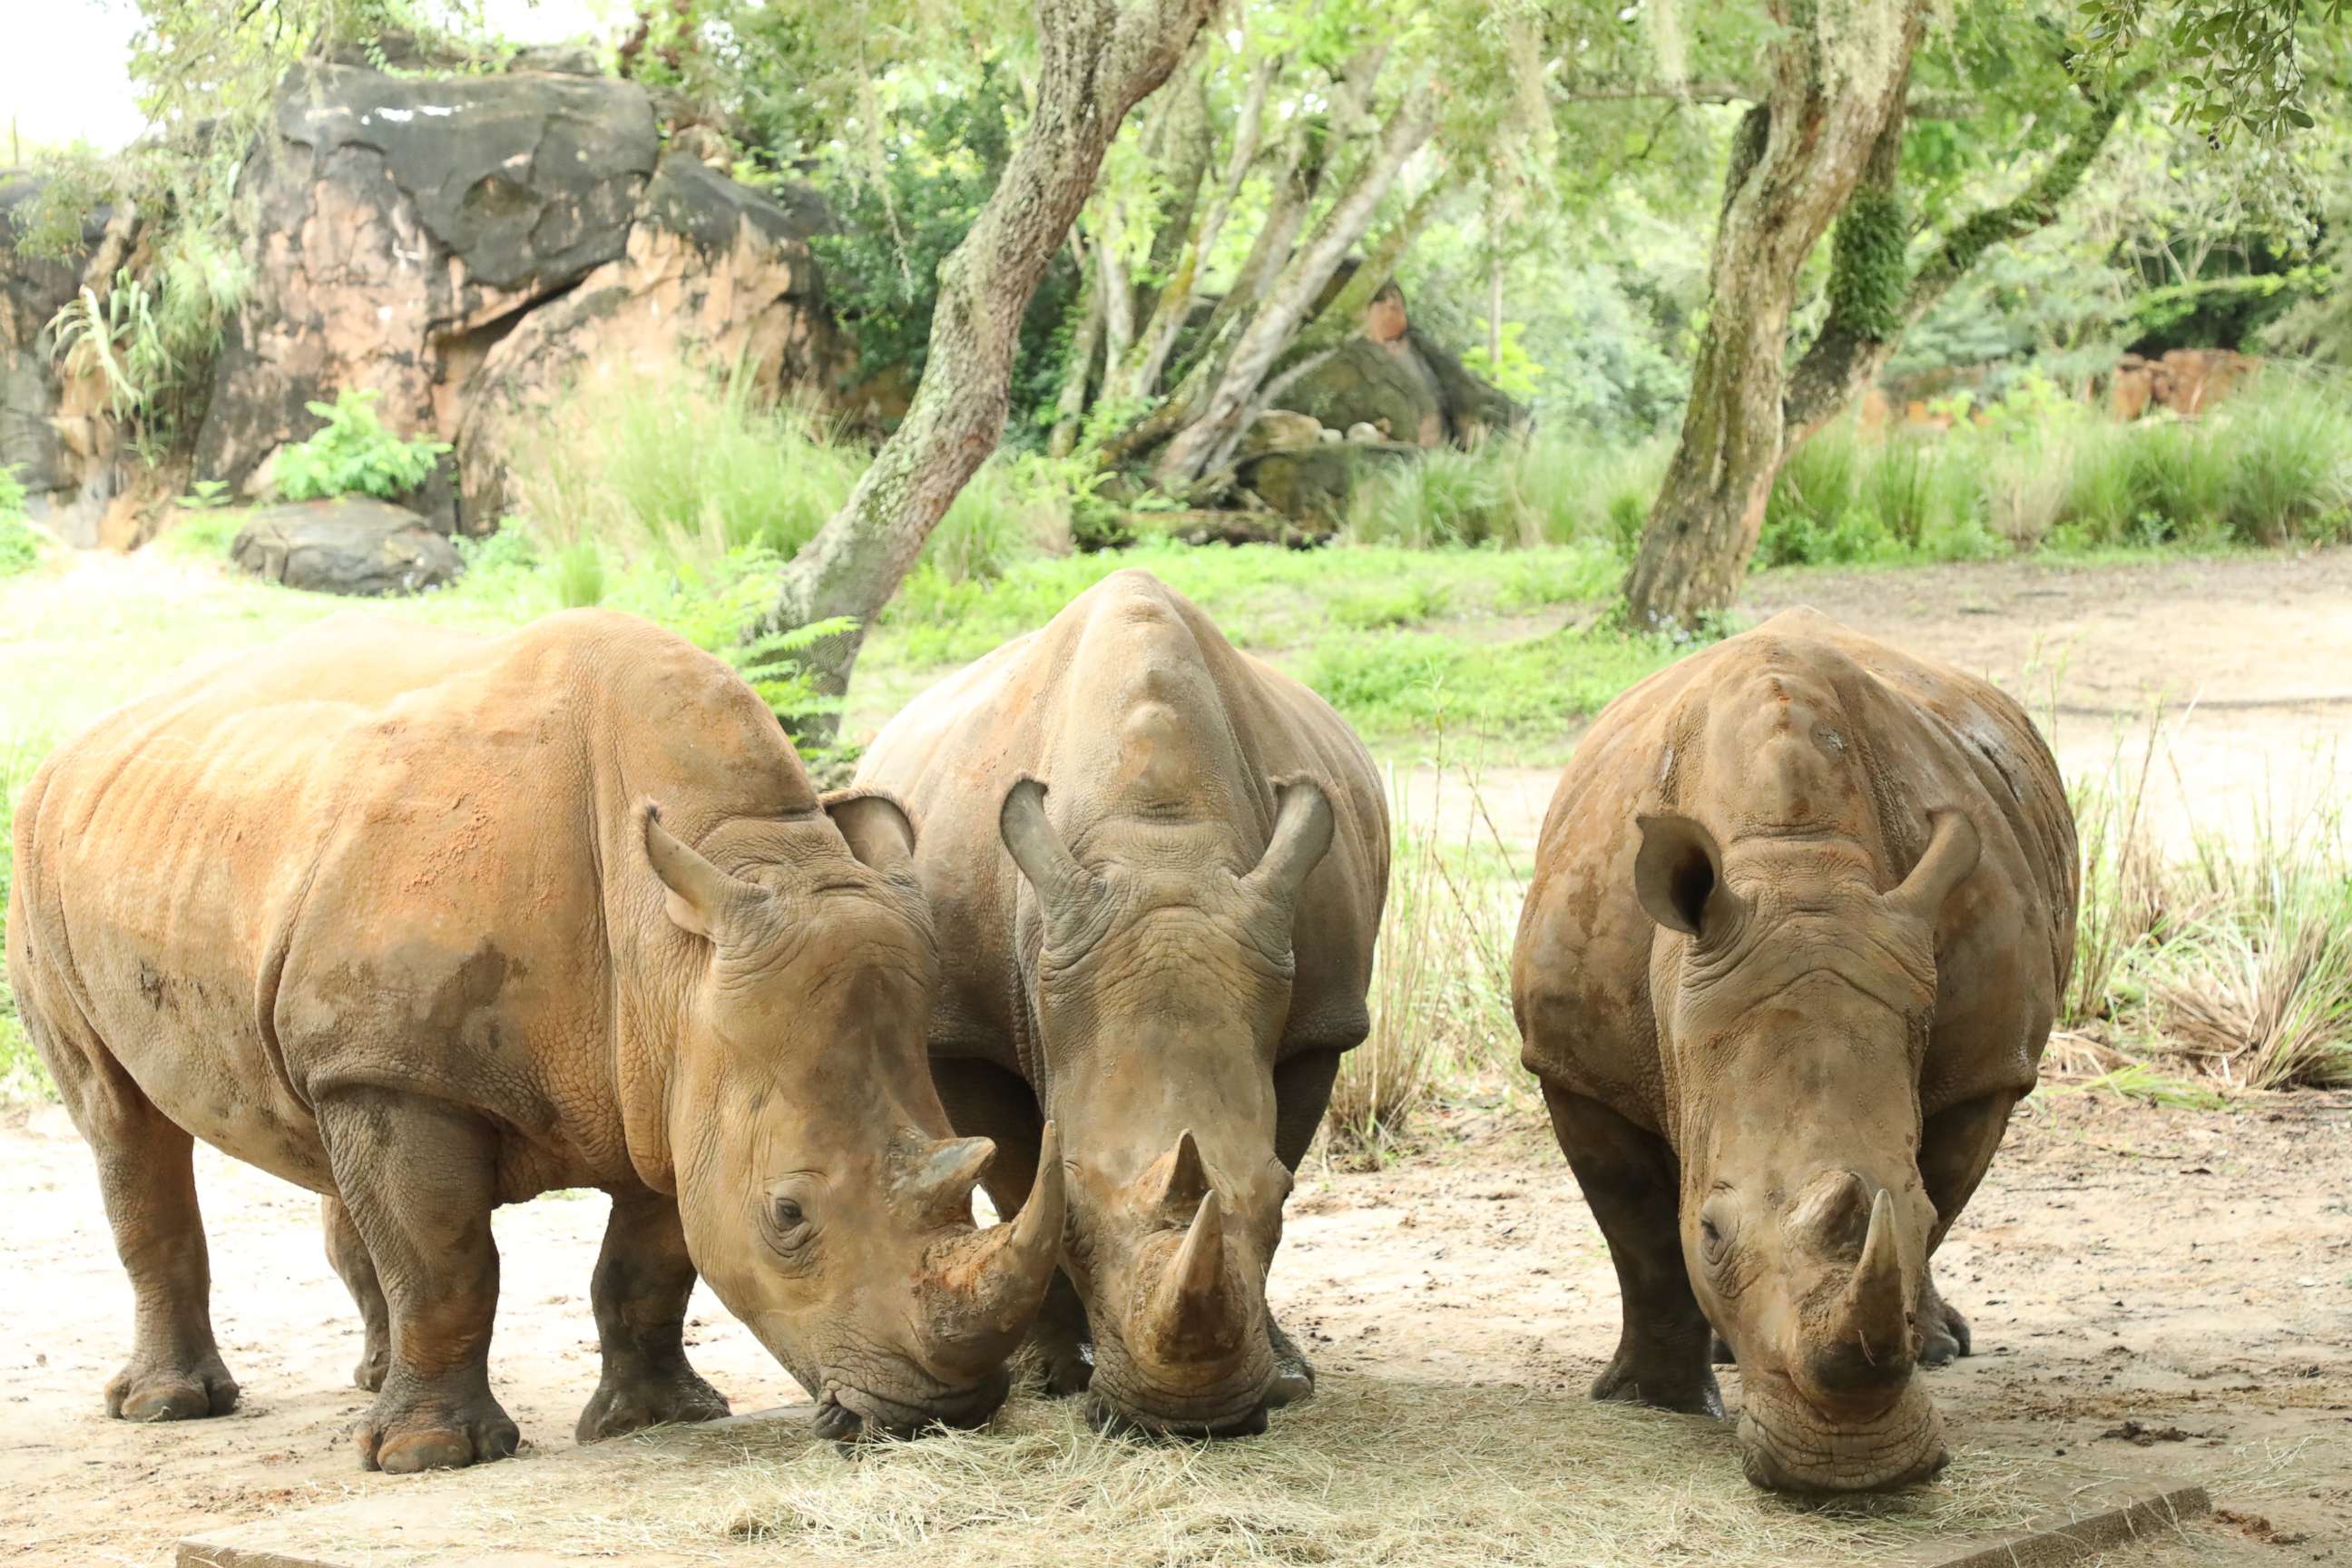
[1543, 488]
[1412, 686]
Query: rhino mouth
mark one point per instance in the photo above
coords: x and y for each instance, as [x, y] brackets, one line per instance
[1115, 1421]
[1786, 1445]
[847, 1415]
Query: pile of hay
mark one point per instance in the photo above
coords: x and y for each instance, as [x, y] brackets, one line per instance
[1371, 1472]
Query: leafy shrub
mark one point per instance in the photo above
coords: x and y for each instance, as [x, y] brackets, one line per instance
[354, 455]
[20, 547]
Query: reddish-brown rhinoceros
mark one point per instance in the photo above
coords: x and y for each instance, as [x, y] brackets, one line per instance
[1157, 866]
[1804, 907]
[379, 910]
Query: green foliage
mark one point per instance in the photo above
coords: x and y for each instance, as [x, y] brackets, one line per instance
[2269, 465]
[1870, 269]
[1515, 371]
[2241, 70]
[1547, 487]
[353, 454]
[20, 547]
[1412, 686]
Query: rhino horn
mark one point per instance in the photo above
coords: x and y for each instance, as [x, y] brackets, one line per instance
[1873, 1314]
[1189, 1315]
[941, 1180]
[1177, 1180]
[997, 1280]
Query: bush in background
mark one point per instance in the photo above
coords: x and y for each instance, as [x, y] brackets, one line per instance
[20, 547]
[353, 454]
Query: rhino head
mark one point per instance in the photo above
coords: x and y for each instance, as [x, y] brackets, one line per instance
[1792, 1021]
[820, 1193]
[1161, 985]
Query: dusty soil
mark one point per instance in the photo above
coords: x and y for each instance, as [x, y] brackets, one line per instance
[2248, 657]
[2187, 1271]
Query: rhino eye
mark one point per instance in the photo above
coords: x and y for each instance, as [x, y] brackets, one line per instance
[786, 1215]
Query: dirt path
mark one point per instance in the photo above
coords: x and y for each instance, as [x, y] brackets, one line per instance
[2250, 657]
[2181, 1270]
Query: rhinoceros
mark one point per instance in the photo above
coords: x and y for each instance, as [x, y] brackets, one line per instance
[390, 914]
[1803, 911]
[1157, 866]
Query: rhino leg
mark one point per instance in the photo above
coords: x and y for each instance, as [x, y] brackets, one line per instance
[1631, 1184]
[1955, 1148]
[418, 1177]
[643, 1280]
[1302, 1093]
[146, 1172]
[983, 1100]
[349, 1254]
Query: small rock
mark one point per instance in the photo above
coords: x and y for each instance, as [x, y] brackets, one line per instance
[352, 545]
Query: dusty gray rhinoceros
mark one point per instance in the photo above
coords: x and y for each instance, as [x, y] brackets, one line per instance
[1803, 911]
[387, 912]
[1157, 866]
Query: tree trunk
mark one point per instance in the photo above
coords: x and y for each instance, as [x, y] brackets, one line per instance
[1343, 315]
[1838, 69]
[1158, 339]
[1071, 405]
[1202, 444]
[1097, 59]
[1116, 293]
[1866, 326]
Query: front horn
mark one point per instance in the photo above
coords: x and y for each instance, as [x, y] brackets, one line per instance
[987, 1288]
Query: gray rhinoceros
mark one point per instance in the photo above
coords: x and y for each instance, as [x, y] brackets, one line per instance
[1157, 866]
[388, 913]
[1803, 911]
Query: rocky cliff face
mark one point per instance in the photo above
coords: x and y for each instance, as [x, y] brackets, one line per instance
[465, 247]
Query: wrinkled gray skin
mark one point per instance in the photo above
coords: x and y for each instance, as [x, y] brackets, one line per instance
[383, 911]
[1157, 866]
[1803, 911]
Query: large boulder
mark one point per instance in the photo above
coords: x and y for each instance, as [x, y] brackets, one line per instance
[713, 271]
[1393, 376]
[407, 229]
[354, 545]
[1311, 484]
[52, 430]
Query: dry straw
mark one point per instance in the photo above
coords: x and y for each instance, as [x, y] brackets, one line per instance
[1373, 1471]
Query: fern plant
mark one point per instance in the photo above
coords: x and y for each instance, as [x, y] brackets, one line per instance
[773, 665]
[354, 454]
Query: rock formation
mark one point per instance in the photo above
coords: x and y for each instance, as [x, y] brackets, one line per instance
[463, 245]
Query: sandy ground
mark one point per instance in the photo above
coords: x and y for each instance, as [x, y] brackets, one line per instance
[2189, 1271]
[2249, 659]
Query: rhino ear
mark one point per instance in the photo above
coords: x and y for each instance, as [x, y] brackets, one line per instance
[1678, 877]
[1302, 826]
[877, 827]
[1951, 854]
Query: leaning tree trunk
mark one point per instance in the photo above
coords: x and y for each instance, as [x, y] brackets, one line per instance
[1837, 73]
[1097, 59]
[1218, 425]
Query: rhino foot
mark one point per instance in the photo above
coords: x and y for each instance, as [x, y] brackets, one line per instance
[621, 1406]
[1626, 1383]
[1944, 1334]
[368, 1371]
[146, 1391]
[1293, 1374]
[432, 1436]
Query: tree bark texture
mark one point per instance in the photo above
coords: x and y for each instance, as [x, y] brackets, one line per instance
[1204, 443]
[1857, 340]
[1837, 73]
[1097, 59]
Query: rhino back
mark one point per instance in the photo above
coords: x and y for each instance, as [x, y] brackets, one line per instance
[374, 855]
[1132, 706]
[1880, 739]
